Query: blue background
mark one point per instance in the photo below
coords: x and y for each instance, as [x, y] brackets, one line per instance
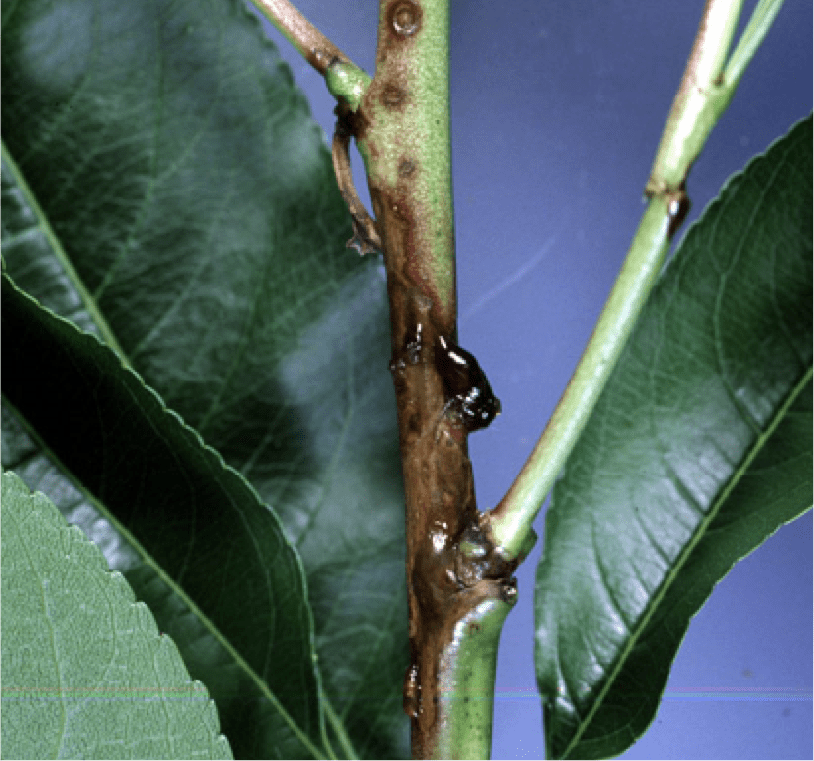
[557, 109]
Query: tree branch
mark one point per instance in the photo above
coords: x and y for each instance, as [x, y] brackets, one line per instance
[459, 591]
[314, 46]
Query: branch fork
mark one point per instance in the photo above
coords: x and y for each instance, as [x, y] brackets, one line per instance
[459, 561]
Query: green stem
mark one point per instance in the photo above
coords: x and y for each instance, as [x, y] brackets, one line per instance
[466, 682]
[762, 19]
[511, 520]
[405, 144]
[705, 91]
[701, 98]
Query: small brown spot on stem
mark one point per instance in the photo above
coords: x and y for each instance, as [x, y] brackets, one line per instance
[405, 18]
[392, 95]
[406, 168]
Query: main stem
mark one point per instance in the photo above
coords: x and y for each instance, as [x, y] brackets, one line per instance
[460, 589]
[458, 598]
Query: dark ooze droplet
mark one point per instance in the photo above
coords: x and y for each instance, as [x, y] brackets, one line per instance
[678, 207]
[466, 387]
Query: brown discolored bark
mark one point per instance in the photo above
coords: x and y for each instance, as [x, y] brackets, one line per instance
[443, 584]
[411, 227]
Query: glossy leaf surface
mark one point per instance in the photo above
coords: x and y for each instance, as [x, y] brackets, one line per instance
[699, 449]
[108, 685]
[166, 189]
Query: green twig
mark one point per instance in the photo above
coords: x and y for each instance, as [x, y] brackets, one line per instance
[762, 18]
[312, 44]
[706, 89]
[344, 79]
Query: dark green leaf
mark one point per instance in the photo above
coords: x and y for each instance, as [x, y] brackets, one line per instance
[143, 466]
[165, 188]
[699, 449]
[87, 675]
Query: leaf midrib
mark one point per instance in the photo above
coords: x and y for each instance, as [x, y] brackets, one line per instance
[62, 256]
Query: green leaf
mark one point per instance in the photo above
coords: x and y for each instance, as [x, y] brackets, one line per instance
[151, 476]
[85, 672]
[699, 450]
[165, 188]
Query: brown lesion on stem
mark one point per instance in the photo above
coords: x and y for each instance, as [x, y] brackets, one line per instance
[451, 565]
[444, 583]
[439, 491]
